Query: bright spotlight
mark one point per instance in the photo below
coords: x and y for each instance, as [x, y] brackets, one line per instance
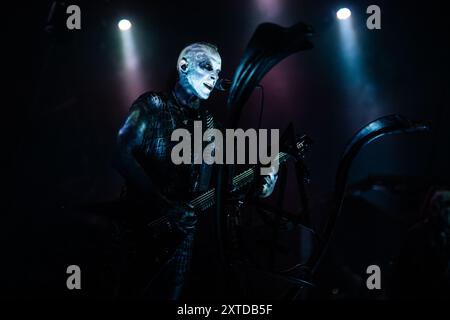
[124, 24]
[343, 14]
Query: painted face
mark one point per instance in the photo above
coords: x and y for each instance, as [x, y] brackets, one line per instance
[202, 71]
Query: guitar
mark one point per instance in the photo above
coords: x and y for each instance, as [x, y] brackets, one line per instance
[162, 230]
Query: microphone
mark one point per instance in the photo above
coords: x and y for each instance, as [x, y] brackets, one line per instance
[223, 84]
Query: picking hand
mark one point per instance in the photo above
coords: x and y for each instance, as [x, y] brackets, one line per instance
[268, 185]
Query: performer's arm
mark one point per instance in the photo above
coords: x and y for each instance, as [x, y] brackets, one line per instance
[129, 140]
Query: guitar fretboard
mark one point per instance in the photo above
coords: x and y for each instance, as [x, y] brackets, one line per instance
[207, 199]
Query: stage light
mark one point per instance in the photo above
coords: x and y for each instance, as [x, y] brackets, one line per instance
[343, 14]
[357, 85]
[131, 70]
[124, 24]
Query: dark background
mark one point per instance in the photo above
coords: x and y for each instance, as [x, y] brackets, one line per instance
[66, 94]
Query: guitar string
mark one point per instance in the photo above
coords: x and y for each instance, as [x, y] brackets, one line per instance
[209, 193]
[236, 180]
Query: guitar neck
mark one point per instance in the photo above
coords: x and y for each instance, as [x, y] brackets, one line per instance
[207, 199]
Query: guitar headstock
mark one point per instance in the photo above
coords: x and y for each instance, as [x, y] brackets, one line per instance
[302, 146]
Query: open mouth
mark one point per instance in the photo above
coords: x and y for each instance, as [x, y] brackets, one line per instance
[208, 86]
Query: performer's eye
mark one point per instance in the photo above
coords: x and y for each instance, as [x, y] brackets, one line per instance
[208, 67]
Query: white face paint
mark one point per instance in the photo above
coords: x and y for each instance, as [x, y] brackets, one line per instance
[203, 67]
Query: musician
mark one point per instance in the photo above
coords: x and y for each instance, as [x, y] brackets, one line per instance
[144, 159]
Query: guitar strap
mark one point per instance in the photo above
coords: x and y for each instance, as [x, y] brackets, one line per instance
[205, 169]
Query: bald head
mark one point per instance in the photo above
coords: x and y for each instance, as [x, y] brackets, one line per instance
[199, 65]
